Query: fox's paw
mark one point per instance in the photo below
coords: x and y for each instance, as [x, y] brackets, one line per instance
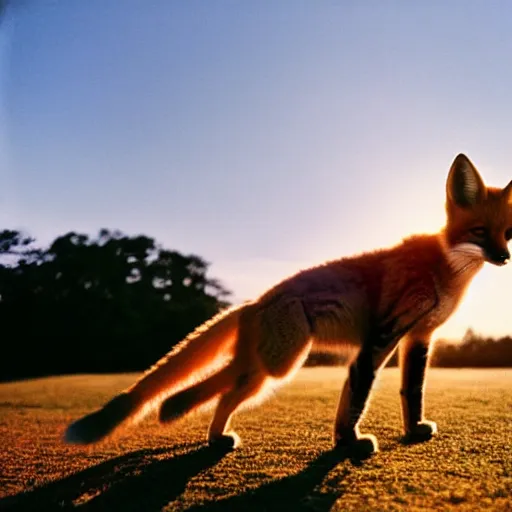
[360, 447]
[227, 442]
[421, 432]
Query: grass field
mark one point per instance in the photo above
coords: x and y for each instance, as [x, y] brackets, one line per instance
[284, 463]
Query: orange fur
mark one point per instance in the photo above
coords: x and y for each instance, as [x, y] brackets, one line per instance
[366, 303]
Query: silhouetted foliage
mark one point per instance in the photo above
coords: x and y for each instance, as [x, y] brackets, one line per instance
[110, 303]
[474, 351]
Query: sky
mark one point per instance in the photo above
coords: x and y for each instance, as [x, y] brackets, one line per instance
[263, 136]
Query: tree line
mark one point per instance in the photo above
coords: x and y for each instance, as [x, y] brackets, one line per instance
[473, 351]
[105, 303]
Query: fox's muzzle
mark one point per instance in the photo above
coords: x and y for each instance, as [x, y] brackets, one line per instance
[498, 257]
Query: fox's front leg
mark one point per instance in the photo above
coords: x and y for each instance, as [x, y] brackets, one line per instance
[414, 354]
[354, 397]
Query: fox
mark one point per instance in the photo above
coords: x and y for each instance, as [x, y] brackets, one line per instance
[368, 305]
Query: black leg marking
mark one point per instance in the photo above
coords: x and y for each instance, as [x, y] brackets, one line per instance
[414, 363]
[414, 377]
[352, 403]
[361, 377]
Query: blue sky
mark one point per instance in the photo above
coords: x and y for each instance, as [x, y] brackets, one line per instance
[264, 136]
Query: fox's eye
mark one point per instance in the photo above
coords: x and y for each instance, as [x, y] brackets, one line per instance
[508, 234]
[479, 231]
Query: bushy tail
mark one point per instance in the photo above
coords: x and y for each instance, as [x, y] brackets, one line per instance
[193, 397]
[198, 352]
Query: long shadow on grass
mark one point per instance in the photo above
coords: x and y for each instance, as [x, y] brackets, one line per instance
[298, 492]
[148, 480]
[136, 481]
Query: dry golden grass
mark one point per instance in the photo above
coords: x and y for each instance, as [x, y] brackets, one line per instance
[285, 462]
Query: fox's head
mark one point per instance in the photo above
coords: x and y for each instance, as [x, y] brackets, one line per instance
[477, 214]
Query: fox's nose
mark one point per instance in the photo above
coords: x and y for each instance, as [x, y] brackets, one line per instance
[502, 257]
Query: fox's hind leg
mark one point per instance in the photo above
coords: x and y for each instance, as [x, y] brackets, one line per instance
[354, 399]
[248, 381]
[247, 385]
[272, 344]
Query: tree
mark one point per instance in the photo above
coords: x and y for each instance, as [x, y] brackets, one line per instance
[108, 303]
[474, 351]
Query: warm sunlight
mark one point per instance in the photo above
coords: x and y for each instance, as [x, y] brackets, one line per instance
[167, 169]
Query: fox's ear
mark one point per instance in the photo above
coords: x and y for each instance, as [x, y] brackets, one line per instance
[507, 193]
[464, 185]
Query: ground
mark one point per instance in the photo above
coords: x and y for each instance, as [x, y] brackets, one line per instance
[284, 463]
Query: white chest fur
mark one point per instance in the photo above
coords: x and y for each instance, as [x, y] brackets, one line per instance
[464, 261]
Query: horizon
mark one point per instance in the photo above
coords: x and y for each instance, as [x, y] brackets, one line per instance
[263, 138]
